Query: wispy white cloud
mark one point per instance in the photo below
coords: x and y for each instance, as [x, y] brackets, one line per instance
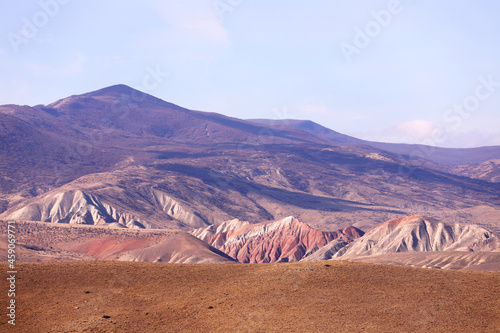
[434, 134]
[188, 22]
[477, 130]
[415, 130]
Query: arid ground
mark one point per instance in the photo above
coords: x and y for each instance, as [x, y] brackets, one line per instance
[328, 296]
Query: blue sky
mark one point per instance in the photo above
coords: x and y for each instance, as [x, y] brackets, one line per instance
[412, 71]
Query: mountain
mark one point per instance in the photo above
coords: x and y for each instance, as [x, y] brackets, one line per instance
[310, 127]
[419, 241]
[120, 156]
[453, 159]
[285, 240]
[421, 234]
[133, 114]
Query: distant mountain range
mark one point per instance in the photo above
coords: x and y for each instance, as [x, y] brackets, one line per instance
[121, 158]
[414, 153]
[118, 155]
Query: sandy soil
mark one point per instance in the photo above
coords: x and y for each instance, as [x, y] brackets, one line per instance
[333, 296]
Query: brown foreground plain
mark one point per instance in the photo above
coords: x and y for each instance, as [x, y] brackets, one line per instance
[327, 296]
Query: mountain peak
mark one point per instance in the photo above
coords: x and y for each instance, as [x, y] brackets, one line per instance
[120, 89]
[119, 93]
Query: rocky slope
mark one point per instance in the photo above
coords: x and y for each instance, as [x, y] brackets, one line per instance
[488, 170]
[426, 242]
[99, 203]
[421, 234]
[75, 207]
[285, 240]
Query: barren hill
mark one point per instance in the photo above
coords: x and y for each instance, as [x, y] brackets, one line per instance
[38, 241]
[487, 170]
[421, 234]
[74, 206]
[285, 240]
[419, 241]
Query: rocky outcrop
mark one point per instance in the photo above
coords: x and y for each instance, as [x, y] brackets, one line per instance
[109, 204]
[285, 240]
[75, 207]
[176, 210]
[421, 234]
[326, 252]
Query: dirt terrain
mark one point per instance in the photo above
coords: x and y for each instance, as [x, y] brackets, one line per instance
[332, 296]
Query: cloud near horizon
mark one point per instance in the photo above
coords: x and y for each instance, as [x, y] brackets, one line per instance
[426, 132]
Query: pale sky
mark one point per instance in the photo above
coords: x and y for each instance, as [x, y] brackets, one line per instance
[411, 71]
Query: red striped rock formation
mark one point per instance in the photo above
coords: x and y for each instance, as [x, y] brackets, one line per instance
[284, 240]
